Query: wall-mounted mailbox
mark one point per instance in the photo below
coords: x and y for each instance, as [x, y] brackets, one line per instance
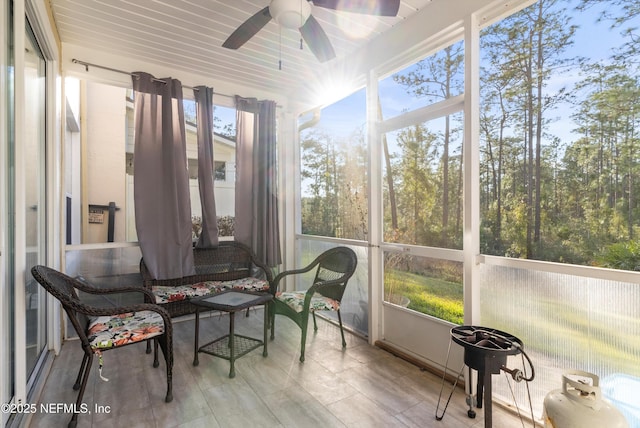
[96, 216]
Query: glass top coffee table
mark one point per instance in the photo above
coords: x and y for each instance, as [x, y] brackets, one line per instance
[231, 346]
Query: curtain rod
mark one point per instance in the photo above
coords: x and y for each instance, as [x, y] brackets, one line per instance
[115, 70]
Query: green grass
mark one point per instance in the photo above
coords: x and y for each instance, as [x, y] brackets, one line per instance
[563, 328]
[431, 296]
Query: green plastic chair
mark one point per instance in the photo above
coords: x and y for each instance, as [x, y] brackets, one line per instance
[334, 267]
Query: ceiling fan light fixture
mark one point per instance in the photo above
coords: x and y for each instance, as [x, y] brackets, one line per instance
[290, 13]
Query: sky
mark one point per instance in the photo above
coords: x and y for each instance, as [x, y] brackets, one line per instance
[343, 117]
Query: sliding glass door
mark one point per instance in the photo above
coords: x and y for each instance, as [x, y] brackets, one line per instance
[23, 206]
[7, 346]
[34, 197]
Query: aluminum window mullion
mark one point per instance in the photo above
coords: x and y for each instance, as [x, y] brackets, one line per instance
[471, 165]
[432, 111]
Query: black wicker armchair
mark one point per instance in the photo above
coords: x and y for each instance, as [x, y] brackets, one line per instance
[104, 328]
[334, 267]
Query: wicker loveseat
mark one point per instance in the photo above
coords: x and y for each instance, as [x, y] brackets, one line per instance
[229, 265]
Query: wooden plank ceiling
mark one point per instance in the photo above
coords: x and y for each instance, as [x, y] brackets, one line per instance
[187, 35]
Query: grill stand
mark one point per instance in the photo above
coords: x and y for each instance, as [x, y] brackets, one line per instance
[486, 351]
[485, 365]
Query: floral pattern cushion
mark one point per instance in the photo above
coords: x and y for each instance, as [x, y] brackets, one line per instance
[116, 330]
[249, 283]
[295, 300]
[166, 294]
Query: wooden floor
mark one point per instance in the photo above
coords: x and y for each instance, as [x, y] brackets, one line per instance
[359, 386]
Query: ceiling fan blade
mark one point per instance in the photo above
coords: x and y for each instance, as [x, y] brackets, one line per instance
[248, 29]
[369, 7]
[317, 40]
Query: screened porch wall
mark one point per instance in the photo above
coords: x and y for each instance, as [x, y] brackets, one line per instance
[566, 322]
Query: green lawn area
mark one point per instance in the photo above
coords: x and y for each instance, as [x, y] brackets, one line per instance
[428, 295]
[560, 327]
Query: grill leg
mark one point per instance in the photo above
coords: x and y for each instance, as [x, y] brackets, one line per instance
[488, 418]
[470, 398]
[479, 391]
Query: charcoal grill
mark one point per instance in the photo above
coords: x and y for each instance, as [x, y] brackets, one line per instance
[486, 351]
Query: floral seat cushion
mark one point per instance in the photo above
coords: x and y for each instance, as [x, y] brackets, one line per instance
[295, 300]
[166, 294]
[116, 330]
[249, 283]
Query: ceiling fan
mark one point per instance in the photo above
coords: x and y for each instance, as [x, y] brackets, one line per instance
[297, 14]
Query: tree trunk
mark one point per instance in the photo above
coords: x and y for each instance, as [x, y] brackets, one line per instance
[538, 115]
[387, 159]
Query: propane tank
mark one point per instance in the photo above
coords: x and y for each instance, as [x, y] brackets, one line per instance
[579, 404]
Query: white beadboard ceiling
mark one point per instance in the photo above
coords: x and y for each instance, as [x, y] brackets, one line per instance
[187, 36]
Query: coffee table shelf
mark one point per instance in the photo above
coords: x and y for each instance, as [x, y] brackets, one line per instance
[242, 345]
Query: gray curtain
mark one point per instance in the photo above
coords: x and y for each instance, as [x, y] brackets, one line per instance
[204, 118]
[161, 179]
[256, 222]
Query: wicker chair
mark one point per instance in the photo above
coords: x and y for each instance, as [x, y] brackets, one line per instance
[110, 327]
[334, 267]
[228, 261]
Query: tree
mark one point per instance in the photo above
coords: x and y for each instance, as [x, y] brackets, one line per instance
[416, 195]
[390, 175]
[608, 118]
[529, 47]
[437, 78]
[333, 176]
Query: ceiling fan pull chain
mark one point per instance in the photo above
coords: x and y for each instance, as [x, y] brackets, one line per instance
[280, 49]
[301, 23]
